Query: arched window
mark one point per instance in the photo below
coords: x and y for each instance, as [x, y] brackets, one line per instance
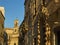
[14, 43]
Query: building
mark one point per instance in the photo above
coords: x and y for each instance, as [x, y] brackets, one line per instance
[2, 18]
[5, 38]
[22, 34]
[13, 34]
[52, 21]
[31, 20]
[41, 23]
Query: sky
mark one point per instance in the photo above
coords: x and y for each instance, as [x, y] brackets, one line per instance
[14, 9]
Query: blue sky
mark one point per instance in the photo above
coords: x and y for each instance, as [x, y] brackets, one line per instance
[13, 9]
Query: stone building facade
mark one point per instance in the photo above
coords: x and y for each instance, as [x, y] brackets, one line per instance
[2, 18]
[13, 34]
[41, 24]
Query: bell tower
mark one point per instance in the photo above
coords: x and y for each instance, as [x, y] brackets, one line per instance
[16, 23]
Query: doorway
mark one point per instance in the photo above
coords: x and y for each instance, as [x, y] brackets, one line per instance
[57, 35]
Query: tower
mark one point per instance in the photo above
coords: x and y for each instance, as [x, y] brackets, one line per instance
[16, 23]
[13, 34]
[16, 27]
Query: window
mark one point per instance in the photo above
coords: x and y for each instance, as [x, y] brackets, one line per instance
[14, 43]
[15, 30]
